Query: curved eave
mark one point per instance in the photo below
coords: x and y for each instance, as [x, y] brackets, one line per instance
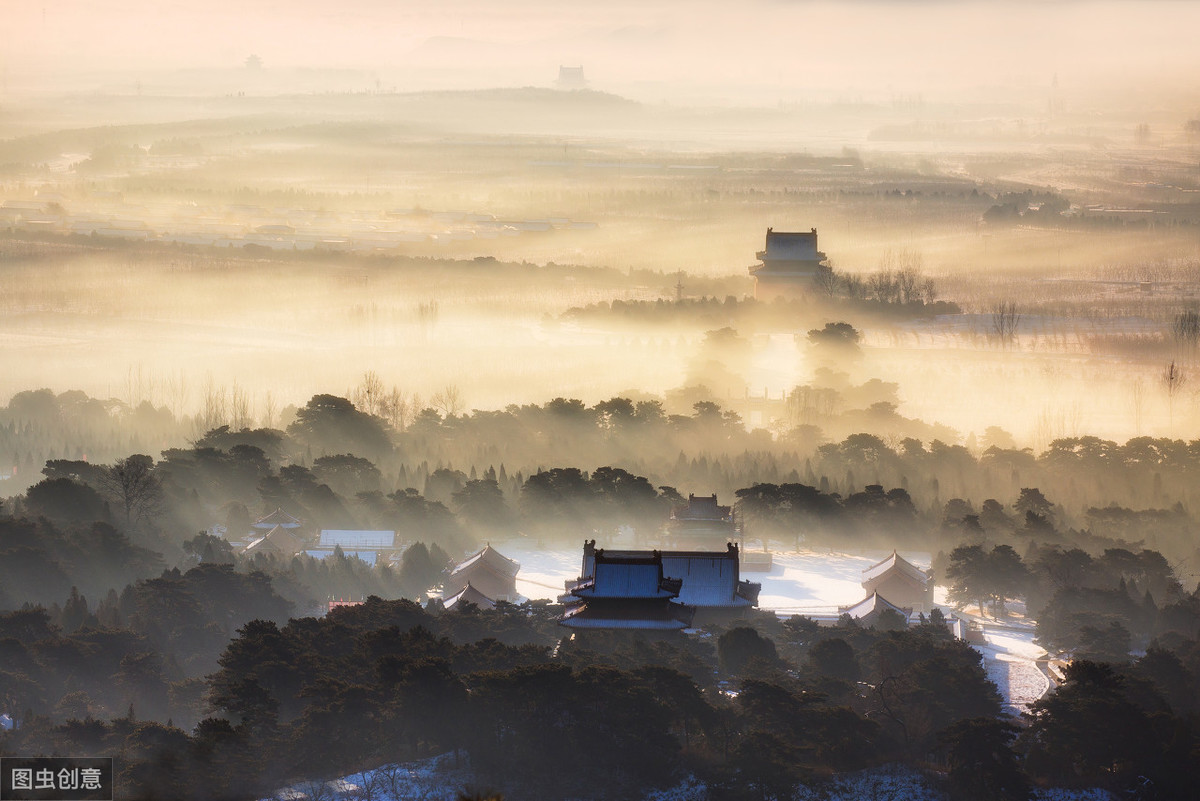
[641, 625]
[588, 592]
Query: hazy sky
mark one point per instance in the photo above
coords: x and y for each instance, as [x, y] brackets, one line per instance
[762, 48]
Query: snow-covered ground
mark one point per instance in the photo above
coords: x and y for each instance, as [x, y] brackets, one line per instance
[1010, 660]
[436, 779]
[433, 779]
[814, 583]
[800, 582]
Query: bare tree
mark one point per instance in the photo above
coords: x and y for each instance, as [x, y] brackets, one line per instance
[213, 414]
[399, 408]
[907, 279]
[137, 386]
[239, 409]
[1185, 328]
[311, 789]
[449, 401]
[929, 292]
[369, 395]
[1173, 380]
[1005, 320]
[269, 410]
[1137, 404]
[912, 260]
[131, 483]
[394, 777]
[175, 391]
[827, 280]
[882, 286]
[369, 785]
[853, 285]
[427, 315]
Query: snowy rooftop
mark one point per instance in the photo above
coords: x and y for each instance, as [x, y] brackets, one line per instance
[352, 539]
[498, 561]
[874, 603]
[898, 563]
[367, 556]
[277, 518]
[468, 594]
[627, 578]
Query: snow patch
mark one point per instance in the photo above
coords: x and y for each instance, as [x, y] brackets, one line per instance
[436, 779]
[800, 582]
[690, 789]
[1093, 794]
[888, 783]
[1009, 657]
[433, 779]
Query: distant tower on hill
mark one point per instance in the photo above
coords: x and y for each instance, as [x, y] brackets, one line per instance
[570, 78]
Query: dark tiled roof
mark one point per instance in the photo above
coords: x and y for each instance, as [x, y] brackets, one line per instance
[709, 578]
[702, 508]
[659, 615]
[627, 578]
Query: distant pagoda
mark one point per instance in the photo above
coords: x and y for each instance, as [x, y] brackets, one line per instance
[701, 523]
[790, 264]
[570, 78]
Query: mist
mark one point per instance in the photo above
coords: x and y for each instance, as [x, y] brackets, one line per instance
[763, 53]
[307, 311]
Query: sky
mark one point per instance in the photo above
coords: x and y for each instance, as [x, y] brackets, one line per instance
[756, 50]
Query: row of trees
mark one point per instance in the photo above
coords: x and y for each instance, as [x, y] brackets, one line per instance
[1097, 608]
[773, 704]
[196, 488]
[179, 621]
[387, 681]
[708, 448]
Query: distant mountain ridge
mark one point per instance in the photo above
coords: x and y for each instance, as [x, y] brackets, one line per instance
[529, 94]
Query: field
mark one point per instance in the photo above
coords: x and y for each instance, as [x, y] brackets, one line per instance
[283, 247]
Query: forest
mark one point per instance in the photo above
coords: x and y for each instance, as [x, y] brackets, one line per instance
[128, 633]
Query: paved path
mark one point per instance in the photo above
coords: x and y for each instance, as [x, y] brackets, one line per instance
[1010, 659]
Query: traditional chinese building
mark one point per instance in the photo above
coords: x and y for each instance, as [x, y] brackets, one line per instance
[900, 581]
[279, 542]
[276, 518]
[371, 546]
[467, 595]
[868, 610]
[488, 571]
[790, 264]
[337, 603]
[570, 78]
[626, 592]
[701, 522]
[710, 580]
